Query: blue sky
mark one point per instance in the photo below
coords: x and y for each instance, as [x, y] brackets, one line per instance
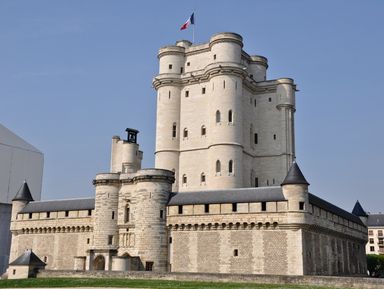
[75, 73]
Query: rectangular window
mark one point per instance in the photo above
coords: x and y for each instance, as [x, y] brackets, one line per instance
[214, 57]
[48, 214]
[256, 138]
[236, 252]
[188, 63]
[187, 93]
[263, 206]
[181, 69]
[161, 214]
[180, 210]
[66, 213]
[127, 214]
[380, 233]
[270, 99]
[89, 212]
[371, 241]
[203, 90]
[206, 208]
[30, 216]
[14, 271]
[370, 232]
[274, 137]
[88, 240]
[113, 215]
[174, 130]
[170, 66]
[301, 206]
[170, 240]
[256, 182]
[110, 239]
[148, 266]
[234, 207]
[372, 248]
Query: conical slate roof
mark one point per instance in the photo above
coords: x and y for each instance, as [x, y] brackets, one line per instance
[24, 194]
[294, 176]
[28, 258]
[358, 210]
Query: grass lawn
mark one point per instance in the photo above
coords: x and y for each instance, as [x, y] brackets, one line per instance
[160, 284]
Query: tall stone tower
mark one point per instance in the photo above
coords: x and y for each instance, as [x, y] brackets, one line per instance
[130, 212]
[220, 122]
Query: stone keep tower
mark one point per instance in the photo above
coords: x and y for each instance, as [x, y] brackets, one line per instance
[220, 123]
[130, 212]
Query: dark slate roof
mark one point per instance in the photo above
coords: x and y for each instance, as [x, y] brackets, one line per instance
[242, 195]
[358, 210]
[24, 194]
[28, 258]
[59, 205]
[375, 220]
[323, 204]
[294, 176]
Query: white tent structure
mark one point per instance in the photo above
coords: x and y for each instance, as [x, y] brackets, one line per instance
[19, 162]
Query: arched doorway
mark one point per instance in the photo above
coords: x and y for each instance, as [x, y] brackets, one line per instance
[99, 263]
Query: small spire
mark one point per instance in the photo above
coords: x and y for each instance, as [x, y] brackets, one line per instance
[358, 210]
[294, 176]
[24, 194]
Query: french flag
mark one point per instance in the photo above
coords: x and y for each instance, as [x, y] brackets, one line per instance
[191, 20]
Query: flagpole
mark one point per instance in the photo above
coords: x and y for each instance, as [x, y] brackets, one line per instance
[193, 34]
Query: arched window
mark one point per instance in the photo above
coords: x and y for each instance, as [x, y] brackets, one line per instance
[185, 133]
[202, 178]
[230, 116]
[230, 166]
[174, 129]
[218, 116]
[184, 180]
[203, 130]
[218, 166]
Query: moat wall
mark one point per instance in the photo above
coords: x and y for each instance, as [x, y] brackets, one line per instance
[336, 282]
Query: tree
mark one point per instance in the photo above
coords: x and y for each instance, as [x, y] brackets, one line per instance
[375, 265]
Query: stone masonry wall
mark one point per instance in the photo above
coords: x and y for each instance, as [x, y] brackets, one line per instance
[227, 250]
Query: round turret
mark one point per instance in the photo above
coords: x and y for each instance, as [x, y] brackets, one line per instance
[285, 92]
[105, 221]
[226, 47]
[257, 68]
[171, 59]
[21, 199]
[295, 189]
[148, 205]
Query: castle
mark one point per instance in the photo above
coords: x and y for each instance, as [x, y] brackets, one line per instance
[226, 195]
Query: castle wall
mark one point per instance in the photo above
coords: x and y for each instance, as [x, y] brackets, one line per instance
[214, 251]
[56, 240]
[326, 253]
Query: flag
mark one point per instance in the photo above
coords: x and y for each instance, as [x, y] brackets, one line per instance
[191, 20]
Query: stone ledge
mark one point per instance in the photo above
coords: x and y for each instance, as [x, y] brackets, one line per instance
[334, 281]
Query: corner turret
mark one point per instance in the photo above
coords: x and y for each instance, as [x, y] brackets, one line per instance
[22, 198]
[295, 189]
[359, 211]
